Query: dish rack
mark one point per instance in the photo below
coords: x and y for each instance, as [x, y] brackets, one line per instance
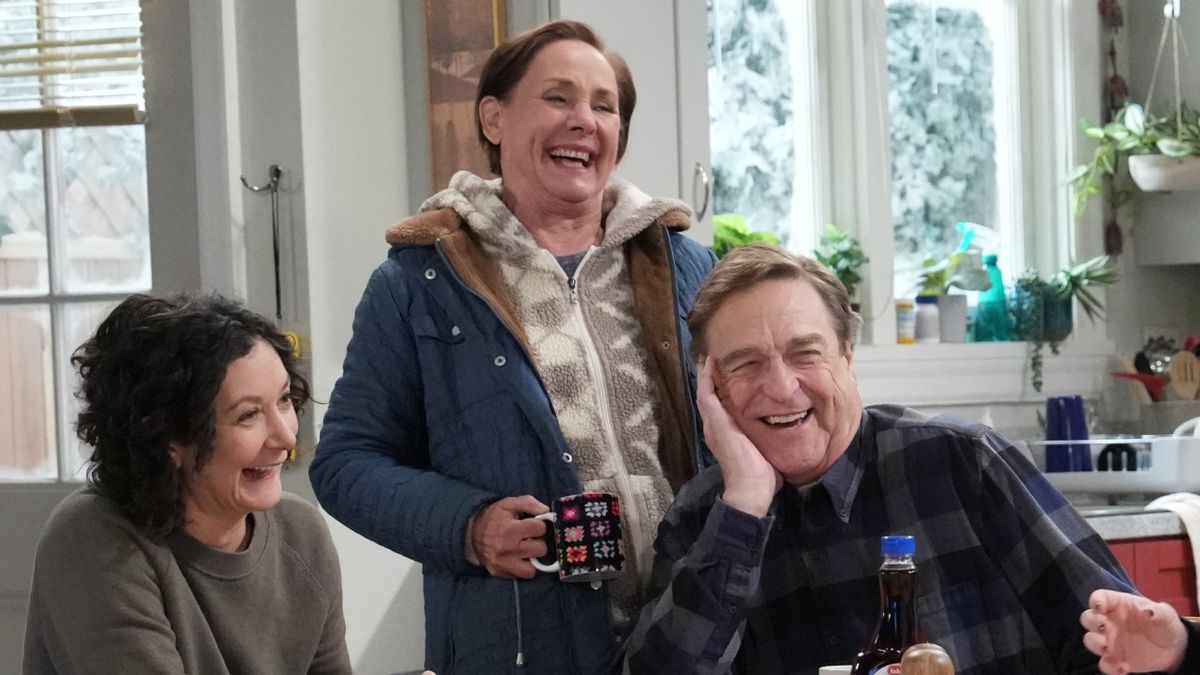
[1164, 464]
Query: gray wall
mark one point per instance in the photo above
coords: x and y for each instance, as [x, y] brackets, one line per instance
[1157, 299]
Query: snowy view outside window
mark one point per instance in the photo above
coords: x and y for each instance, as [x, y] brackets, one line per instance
[750, 111]
[942, 84]
[943, 137]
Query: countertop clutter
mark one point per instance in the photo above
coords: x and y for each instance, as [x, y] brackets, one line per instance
[1157, 388]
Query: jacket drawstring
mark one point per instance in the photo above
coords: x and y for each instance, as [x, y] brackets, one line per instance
[517, 602]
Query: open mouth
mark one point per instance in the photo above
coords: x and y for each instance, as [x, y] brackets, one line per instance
[785, 421]
[569, 157]
[261, 473]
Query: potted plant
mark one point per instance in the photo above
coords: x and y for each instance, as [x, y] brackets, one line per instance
[1163, 152]
[957, 270]
[841, 252]
[1042, 309]
[961, 270]
[731, 230]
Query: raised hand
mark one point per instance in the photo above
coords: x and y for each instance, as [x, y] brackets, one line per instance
[750, 481]
[1133, 634]
[504, 537]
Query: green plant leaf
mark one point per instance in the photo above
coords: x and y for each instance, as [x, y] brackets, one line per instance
[1115, 131]
[841, 252]
[1173, 148]
[731, 230]
[1128, 143]
[1107, 156]
[1135, 119]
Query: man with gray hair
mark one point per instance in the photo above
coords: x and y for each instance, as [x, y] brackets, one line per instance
[768, 562]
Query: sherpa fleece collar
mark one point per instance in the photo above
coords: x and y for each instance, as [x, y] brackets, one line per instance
[478, 202]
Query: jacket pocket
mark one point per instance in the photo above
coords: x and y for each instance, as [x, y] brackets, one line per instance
[453, 368]
[425, 326]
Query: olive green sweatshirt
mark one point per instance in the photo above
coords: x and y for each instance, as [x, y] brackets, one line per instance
[108, 599]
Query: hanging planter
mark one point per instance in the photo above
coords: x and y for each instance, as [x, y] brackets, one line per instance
[1163, 152]
[1160, 173]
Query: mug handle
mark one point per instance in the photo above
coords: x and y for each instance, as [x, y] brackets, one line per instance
[537, 564]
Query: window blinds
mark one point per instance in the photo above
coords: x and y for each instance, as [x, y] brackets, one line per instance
[70, 63]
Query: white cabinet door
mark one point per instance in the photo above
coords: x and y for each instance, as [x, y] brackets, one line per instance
[665, 44]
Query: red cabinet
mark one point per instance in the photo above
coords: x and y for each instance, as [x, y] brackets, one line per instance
[1162, 569]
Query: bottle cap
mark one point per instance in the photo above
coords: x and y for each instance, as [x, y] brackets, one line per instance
[899, 545]
[926, 299]
[990, 259]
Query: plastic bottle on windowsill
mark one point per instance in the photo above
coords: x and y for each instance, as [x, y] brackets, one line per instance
[906, 322]
[928, 328]
[992, 322]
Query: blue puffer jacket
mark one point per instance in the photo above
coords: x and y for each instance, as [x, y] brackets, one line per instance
[439, 411]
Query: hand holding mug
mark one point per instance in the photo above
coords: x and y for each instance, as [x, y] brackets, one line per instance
[583, 537]
[504, 538]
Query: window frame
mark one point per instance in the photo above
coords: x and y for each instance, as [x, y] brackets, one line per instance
[1058, 64]
[182, 61]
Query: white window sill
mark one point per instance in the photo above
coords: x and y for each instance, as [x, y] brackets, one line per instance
[974, 373]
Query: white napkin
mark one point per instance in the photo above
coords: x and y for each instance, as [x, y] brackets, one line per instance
[1187, 506]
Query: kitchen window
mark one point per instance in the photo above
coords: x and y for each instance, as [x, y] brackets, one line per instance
[896, 119]
[74, 226]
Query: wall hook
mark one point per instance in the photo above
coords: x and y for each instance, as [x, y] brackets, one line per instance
[274, 172]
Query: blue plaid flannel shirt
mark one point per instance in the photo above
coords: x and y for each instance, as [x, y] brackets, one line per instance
[1004, 564]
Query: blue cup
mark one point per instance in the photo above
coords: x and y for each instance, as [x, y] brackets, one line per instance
[1066, 421]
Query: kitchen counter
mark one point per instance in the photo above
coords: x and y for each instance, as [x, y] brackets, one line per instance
[1114, 523]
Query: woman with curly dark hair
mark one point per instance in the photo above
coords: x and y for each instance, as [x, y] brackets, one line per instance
[183, 553]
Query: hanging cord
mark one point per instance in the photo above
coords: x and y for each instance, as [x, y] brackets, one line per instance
[274, 172]
[1171, 25]
[1178, 96]
[520, 646]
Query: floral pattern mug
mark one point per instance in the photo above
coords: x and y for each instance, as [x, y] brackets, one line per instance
[584, 535]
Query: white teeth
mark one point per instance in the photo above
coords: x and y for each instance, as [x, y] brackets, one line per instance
[785, 419]
[267, 467]
[564, 153]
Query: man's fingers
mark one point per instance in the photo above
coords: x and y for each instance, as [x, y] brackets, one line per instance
[706, 392]
[1095, 643]
[1112, 667]
[1101, 601]
[712, 411]
[704, 381]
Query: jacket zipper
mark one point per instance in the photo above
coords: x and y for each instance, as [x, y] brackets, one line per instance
[631, 513]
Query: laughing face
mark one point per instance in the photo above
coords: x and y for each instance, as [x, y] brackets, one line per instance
[255, 427]
[558, 129]
[783, 377]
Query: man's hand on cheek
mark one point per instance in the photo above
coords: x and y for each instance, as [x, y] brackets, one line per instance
[750, 481]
